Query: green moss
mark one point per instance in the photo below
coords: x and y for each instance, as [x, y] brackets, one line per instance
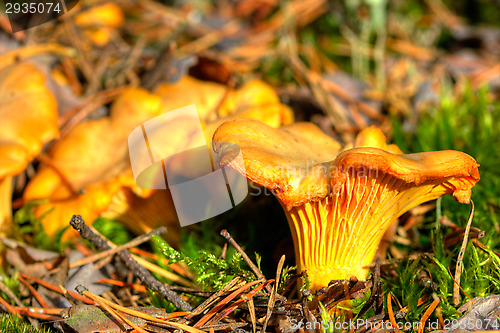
[29, 228]
[13, 324]
[113, 230]
[211, 271]
[469, 123]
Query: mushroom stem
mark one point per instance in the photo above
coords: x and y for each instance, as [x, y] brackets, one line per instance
[5, 205]
[337, 237]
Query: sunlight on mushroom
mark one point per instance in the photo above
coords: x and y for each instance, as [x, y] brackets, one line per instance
[340, 203]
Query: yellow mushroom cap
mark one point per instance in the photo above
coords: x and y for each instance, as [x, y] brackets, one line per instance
[283, 159]
[28, 113]
[28, 120]
[339, 203]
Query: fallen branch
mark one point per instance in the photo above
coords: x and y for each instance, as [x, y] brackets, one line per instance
[134, 242]
[140, 272]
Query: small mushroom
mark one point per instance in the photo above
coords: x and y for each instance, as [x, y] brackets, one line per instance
[340, 203]
[98, 23]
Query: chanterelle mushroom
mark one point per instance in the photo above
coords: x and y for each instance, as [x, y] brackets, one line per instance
[339, 203]
[28, 113]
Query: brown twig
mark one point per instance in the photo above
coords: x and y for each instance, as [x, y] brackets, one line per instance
[335, 291]
[347, 297]
[253, 317]
[10, 294]
[247, 259]
[140, 272]
[203, 306]
[223, 302]
[141, 288]
[307, 312]
[180, 267]
[163, 272]
[35, 293]
[68, 68]
[458, 270]
[9, 307]
[162, 66]
[57, 289]
[82, 57]
[229, 327]
[391, 313]
[376, 290]
[136, 313]
[238, 303]
[224, 250]
[274, 292]
[134, 242]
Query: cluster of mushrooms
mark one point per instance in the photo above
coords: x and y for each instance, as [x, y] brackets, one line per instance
[340, 201]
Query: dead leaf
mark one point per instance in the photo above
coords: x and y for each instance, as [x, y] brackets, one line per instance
[56, 276]
[483, 313]
[27, 259]
[90, 318]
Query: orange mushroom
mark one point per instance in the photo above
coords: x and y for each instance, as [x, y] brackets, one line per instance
[94, 157]
[28, 113]
[99, 22]
[90, 164]
[340, 203]
[215, 104]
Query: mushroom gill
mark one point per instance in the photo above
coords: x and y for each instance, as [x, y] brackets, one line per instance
[340, 203]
